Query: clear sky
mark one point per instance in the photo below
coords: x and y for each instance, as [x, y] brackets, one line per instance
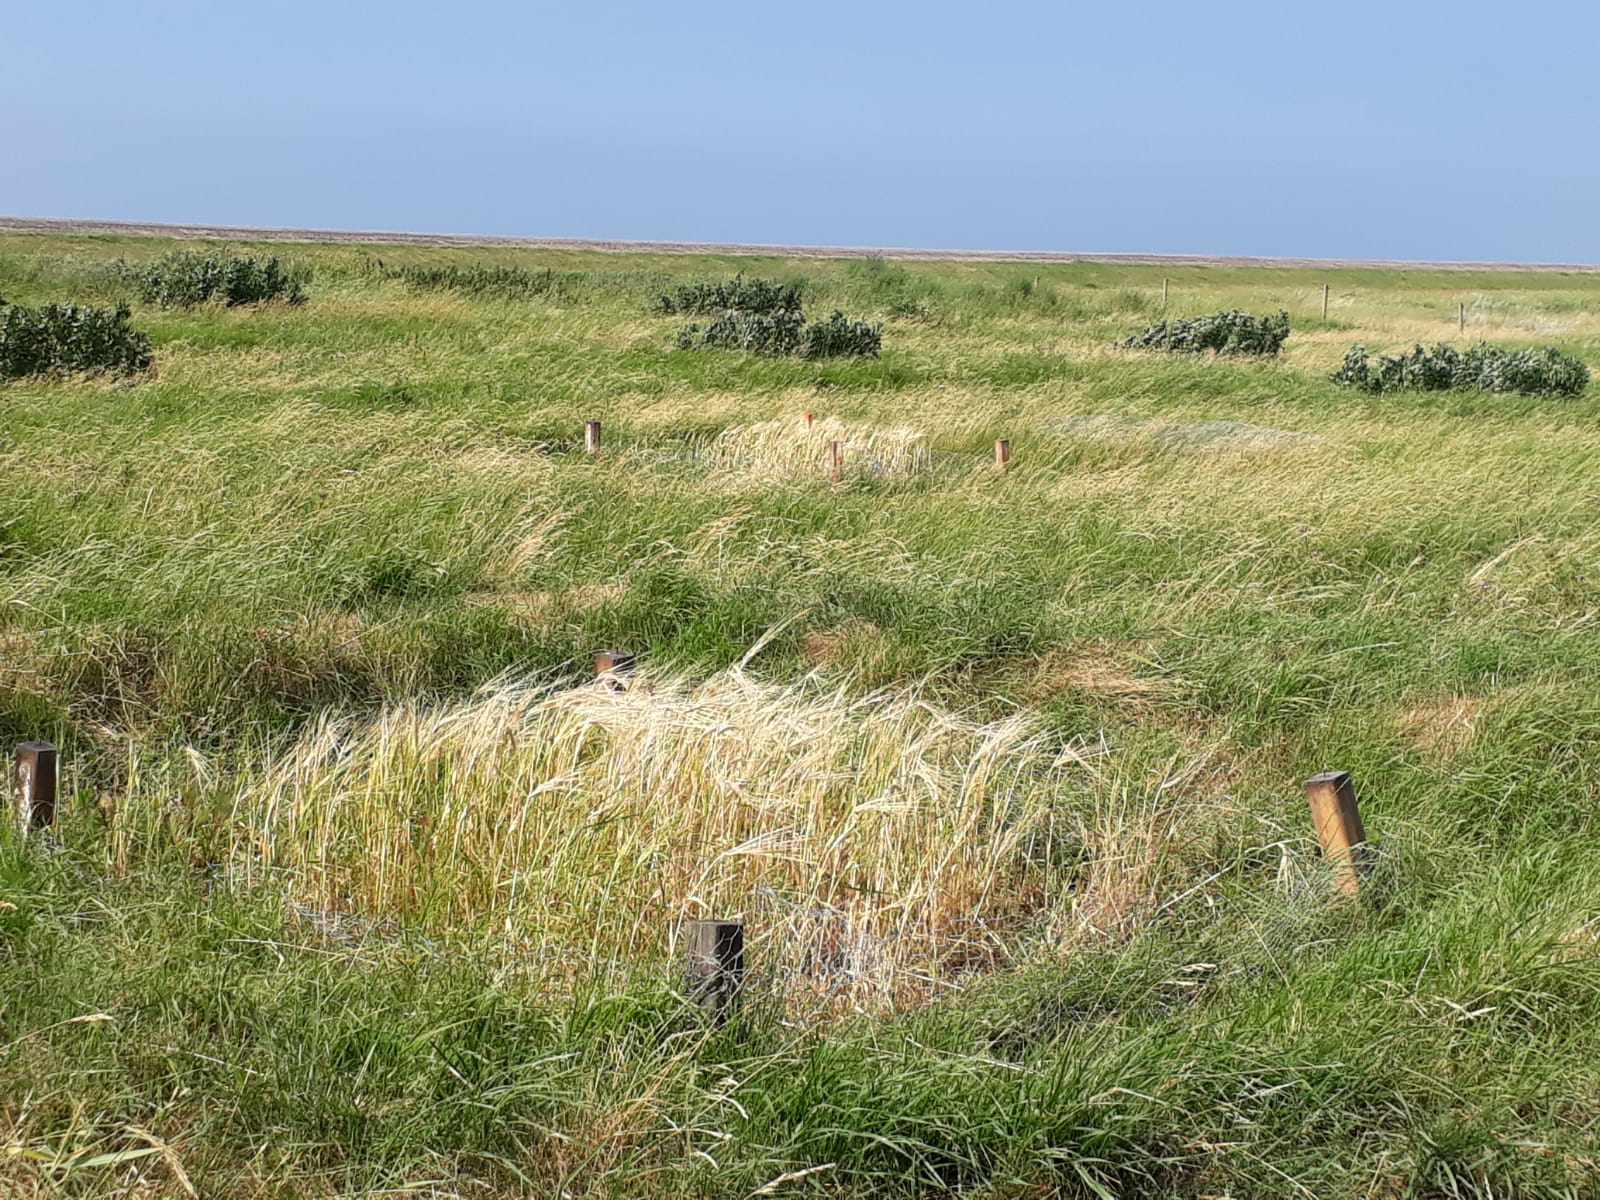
[1344, 128]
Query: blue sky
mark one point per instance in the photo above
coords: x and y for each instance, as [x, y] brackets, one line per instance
[1418, 130]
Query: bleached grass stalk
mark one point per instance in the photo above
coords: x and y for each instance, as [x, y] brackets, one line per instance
[874, 845]
[788, 446]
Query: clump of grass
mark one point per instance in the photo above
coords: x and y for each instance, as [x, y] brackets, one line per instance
[1221, 333]
[791, 447]
[879, 844]
[69, 339]
[184, 279]
[498, 282]
[1545, 371]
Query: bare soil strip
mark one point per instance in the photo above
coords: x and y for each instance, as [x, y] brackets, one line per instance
[619, 246]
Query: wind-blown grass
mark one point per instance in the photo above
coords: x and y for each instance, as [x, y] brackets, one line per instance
[360, 885]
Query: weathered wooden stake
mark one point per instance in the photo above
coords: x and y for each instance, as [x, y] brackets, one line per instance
[591, 437]
[714, 978]
[836, 461]
[1461, 316]
[1324, 302]
[1337, 818]
[610, 666]
[1163, 293]
[35, 785]
[1002, 453]
[809, 418]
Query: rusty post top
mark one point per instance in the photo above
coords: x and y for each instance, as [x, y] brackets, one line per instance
[1336, 778]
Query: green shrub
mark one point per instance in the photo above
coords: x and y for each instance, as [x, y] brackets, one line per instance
[1223, 333]
[732, 295]
[775, 334]
[184, 278]
[841, 337]
[69, 338]
[784, 333]
[762, 316]
[498, 283]
[1532, 372]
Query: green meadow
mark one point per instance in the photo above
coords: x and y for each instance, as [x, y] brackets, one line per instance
[362, 886]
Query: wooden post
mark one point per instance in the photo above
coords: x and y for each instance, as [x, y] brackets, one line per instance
[610, 666]
[836, 461]
[809, 418]
[1163, 292]
[35, 785]
[1324, 302]
[714, 978]
[1002, 453]
[1461, 316]
[1337, 818]
[591, 437]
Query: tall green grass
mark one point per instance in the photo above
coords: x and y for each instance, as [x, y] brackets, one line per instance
[360, 886]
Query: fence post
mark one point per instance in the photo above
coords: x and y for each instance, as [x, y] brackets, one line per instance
[836, 461]
[809, 418]
[714, 978]
[1163, 292]
[1461, 316]
[1324, 302]
[610, 666]
[1337, 818]
[35, 780]
[591, 437]
[1002, 453]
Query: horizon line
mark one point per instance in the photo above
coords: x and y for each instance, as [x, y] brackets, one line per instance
[188, 230]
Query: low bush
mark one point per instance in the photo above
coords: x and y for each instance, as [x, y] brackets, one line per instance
[69, 338]
[184, 279]
[785, 333]
[1223, 333]
[774, 334]
[762, 316]
[732, 295]
[841, 337]
[496, 283]
[1544, 371]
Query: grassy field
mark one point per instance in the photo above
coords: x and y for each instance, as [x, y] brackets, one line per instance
[362, 888]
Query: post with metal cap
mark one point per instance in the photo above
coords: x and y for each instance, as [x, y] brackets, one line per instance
[714, 978]
[591, 437]
[1002, 453]
[610, 666]
[836, 461]
[1337, 818]
[35, 785]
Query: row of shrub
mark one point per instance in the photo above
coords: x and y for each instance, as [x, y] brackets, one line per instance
[732, 295]
[68, 339]
[186, 278]
[786, 333]
[496, 283]
[763, 316]
[1544, 371]
[1221, 333]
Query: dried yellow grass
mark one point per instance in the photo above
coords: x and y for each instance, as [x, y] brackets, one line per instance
[879, 848]
[876, 846]
[787, 447]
